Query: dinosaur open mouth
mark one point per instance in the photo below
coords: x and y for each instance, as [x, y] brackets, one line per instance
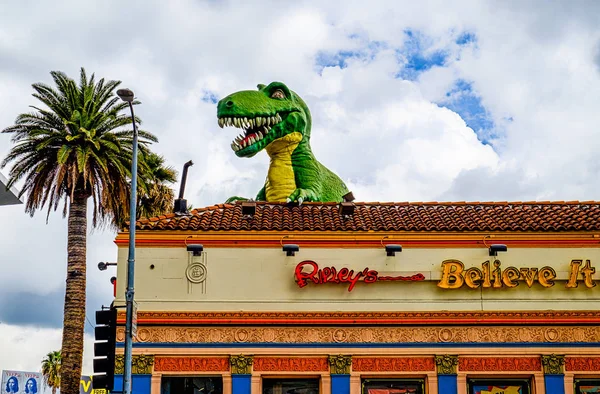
[255, 129]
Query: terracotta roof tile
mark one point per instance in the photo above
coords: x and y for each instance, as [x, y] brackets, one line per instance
[402, 216]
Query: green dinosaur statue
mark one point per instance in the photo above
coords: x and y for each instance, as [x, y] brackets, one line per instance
[276, 119]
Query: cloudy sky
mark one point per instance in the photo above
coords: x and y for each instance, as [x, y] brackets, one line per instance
[411, 101]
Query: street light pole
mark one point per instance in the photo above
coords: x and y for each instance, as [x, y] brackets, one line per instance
[127, 96]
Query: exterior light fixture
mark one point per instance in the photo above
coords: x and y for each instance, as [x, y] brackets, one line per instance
[347, 209]
[494, 249]
[291, 249]
[196, 249]
[391, 249]
[248, 208]
[102, 266]
[125, 95]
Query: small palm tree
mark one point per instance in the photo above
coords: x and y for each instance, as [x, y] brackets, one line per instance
[157, 197]
[77, 147]
[51, 370]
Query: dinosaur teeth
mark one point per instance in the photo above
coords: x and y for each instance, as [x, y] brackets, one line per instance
[260, 135]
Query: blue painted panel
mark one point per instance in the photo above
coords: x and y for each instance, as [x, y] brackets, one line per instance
[447, 384]
[555, 384]
[140, 384]
[340, 384]
[241, 384]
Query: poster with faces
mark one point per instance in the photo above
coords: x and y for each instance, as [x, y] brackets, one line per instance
[20, 382]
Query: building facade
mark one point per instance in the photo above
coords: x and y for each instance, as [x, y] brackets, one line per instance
[366, 298]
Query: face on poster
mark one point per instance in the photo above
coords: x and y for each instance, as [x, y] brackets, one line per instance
[20, 382]
[498, 389]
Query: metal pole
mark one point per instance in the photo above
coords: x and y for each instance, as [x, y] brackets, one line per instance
[130, 262]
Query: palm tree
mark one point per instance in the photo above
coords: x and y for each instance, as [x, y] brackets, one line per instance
[156, 197]
[73, 150]
[51, 370]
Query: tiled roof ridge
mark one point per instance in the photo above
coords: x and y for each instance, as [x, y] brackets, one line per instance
[388, 216]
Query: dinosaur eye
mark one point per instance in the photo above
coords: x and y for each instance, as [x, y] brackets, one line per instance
[278, 94]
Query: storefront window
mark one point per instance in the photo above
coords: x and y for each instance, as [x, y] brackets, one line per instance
[290, 386]
[584, 386]
[499, 386]
[393, 386]
[191, 385]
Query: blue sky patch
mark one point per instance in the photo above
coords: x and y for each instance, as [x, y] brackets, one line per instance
[209, 97]
[340, 58]
[466, 38]
[415, 56]
[467, 103]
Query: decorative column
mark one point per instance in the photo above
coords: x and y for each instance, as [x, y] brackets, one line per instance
[339, 367]
[447, 369]
[141, 371]
[241, 374]
[554, 373]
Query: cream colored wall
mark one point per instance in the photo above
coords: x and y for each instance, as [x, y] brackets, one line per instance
[257, 279]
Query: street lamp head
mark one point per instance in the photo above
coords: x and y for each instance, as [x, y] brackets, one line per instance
[125, 95]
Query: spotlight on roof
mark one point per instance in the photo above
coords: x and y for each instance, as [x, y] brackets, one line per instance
[347, 209]
[391, 249]
[196, 249]
[248, 208]
[291, 249]
[494, 249]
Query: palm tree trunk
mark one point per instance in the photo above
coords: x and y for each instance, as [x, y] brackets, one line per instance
[74, 310]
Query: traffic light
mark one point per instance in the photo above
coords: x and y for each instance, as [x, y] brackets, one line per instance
[104, 349]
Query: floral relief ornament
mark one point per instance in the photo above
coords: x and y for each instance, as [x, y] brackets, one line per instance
[141, 364]
[446, 364]
[241, 365]
[553, 364]
[340, 364]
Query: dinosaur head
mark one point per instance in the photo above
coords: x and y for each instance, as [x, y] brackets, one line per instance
[264, 115]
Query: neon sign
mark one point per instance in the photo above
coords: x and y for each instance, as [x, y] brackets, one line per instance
[324, 275]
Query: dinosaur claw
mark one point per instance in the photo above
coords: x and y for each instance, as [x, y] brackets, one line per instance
[300, 201]
[287, 200]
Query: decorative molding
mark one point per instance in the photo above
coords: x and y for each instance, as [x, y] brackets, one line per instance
[141, 364]
[368, 335]
[191, 364]
[241, 365]
[553, 364]
[340, 364]
[291, 364]
[392, 364]
[499, 364]
[587, 364]
[446, 364]
[361, 318]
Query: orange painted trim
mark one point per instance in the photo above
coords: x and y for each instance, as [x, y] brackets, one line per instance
[488, 364]
[587, 364]
[392, 364]
[290, 364]
[191, 364]
[367, 318]
[361, 240]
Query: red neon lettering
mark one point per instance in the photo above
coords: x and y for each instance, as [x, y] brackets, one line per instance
[324, 275]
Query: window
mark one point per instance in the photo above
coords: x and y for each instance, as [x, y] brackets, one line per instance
[393, 386]
[191, 385]
[584, 386]
[499, 386]
[290, 386]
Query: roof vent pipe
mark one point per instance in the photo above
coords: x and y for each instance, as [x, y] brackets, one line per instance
[181, 203]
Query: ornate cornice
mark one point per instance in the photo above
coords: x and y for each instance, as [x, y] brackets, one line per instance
[446, 364]
[141, 364]
[367, 335]
[392, 364]
[340, 364]
[588, 364]
[241, 365]
[553, 364]
[362, 318]
[191, 364]
[499, 364]
[291, 364]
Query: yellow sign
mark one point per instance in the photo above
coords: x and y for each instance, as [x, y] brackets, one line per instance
[454, 275]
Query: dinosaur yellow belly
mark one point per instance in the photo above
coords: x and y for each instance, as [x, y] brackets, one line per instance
[280, 181]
